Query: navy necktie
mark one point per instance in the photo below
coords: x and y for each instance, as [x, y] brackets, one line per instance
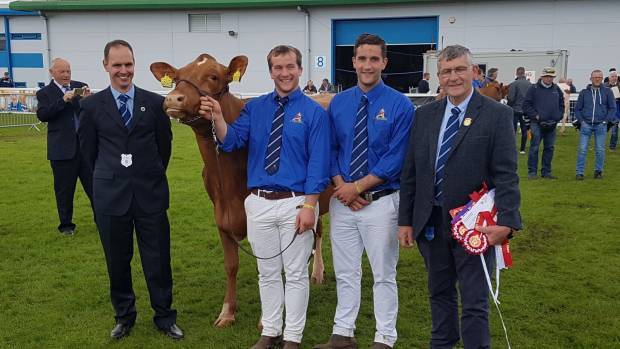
[447, 141]
[359, 155]
[125, 112]
[272, 156]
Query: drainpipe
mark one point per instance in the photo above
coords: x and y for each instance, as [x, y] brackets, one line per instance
[306, 62]
[7, 35]
[46, 53]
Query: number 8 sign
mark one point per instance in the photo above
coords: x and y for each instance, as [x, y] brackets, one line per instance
[320, 61]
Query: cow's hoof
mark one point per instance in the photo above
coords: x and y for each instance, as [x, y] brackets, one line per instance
[318, 277]
[224, 321]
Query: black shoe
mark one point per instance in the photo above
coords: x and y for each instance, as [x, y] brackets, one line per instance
[549, 177]
[598, 175]
[579, 177]
[121, 330]
[173, 332]
[68, 232]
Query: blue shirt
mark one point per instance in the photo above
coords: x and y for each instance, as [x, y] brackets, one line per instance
[304, 156]
[390, 116]
[446, 115]
[131, 93]
[476, 83]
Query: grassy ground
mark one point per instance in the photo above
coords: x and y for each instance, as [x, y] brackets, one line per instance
[562, 292]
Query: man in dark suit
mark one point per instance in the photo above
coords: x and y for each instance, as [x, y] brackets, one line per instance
[456, 144]
[58, 105]
[126, 137]
[423, 86]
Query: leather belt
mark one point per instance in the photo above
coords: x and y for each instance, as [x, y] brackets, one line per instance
[376, 195]
[275, 195]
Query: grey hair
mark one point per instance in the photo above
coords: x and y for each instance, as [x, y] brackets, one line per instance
[452, 52]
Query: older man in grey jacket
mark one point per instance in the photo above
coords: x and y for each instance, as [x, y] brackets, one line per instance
[516, 96]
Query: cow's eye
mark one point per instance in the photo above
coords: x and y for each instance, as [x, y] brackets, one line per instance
[213, 77]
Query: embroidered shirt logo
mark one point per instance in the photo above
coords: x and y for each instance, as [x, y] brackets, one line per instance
[297, 119]
[381, 115]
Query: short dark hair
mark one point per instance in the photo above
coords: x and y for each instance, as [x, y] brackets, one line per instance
[521, 71]
[370, 39]
[115, 43]
[282, 50]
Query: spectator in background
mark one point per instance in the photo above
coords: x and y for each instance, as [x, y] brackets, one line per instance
[613, 84]
[595, 108]
[573, 89]
[6, 80]
[611, 70]
[491, 76]
[516, 96]
[476, 82]
[544, 106]
[326, 86]
[423, 85]
[310, 88]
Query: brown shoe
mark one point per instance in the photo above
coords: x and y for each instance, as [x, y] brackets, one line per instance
[266, 342]
[290, 345]
[337, 341]
[377, 345]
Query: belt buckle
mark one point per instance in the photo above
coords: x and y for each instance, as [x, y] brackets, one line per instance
[368, 196]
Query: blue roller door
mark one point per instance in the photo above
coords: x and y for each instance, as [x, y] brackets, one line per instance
[395, 31]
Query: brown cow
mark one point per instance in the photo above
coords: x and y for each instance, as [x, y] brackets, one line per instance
[495, 90]
[224, 174]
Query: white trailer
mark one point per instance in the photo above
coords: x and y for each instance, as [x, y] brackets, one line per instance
[507, 63]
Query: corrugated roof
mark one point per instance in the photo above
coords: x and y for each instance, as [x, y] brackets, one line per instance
[102, 5]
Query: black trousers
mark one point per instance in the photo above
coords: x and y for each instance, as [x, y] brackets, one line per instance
[66, 173]
[153, 233]
[518, 119]
[447, 264]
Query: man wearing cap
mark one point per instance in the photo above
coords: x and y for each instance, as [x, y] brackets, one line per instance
[595, 108]
[544, 107]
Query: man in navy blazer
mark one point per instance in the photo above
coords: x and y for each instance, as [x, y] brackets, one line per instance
[438, 175]
[126, 137]
[58, 105]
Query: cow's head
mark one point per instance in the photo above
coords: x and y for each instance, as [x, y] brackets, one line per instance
[203, 76]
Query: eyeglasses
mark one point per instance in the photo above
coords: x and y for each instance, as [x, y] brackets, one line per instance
[460, 71]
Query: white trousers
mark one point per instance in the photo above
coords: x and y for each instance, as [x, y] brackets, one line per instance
[271, 227]
[374, 228]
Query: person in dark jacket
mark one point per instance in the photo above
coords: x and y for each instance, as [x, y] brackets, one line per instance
[516, 96]
[423, 86]
[58, 105]
[573, 89]
[595, 108]
[544, 107]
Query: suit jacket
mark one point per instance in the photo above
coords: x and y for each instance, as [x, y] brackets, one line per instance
[423, 86]
[484, 151]
[104, 138]
[62, 141]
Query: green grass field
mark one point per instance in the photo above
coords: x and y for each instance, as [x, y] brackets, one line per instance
[562, 292]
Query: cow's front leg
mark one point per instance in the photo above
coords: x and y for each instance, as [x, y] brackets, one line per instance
[318, 268]
[231, 265]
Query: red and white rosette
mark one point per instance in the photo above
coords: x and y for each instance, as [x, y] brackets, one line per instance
[459, 231]
[475, 242]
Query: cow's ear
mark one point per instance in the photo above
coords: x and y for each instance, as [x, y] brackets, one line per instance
[236, 68]
[161, 69]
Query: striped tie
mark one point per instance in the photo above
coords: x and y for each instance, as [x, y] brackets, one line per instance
[446, 144]
[125, 112]
[272, 158]
[359, 156]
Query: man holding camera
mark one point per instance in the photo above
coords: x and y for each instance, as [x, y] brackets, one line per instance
[58, 105]
[544, 106]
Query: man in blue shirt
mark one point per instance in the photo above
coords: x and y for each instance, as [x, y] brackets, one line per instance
[370, 126]
[287, 135]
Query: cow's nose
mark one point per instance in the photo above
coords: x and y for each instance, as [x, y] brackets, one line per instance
[175, 98]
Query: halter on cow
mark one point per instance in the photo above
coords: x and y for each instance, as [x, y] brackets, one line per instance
[224, 174]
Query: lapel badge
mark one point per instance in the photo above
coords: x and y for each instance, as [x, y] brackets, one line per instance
[142, 109]
[126, 160]
[381, 115]
[467, 121]
[297, 118]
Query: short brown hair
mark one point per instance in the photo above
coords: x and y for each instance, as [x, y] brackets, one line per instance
[370, 39]
[115, 43]
[282, 50]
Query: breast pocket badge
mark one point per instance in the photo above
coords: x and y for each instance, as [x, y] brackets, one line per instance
[126, 160]
[381, 115]
[297, 119]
